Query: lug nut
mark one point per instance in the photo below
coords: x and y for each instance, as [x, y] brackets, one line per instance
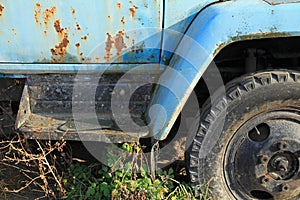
[285, 188]
[265, 179]
[282, 145]
[263, 158]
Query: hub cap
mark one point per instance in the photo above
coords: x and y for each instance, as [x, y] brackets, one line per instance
[262, 159]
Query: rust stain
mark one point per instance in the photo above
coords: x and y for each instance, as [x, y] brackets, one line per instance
[123, 20]
[73, 12]
[37, 13]
[48, 14]
[84, 37]
[57, 27]
[119, 43]
[108, 46]
[132, 12]
[1, 10]
[133, 46]
[119, 5]
[78, 26]
[77, 45]
[60, 50]
[140, 48]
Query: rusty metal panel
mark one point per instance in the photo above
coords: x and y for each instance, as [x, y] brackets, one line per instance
[43, 31]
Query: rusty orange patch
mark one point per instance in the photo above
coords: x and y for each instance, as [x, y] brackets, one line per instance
[48, 14]
[37, 13]
[132, 12]
[57, 27]
[108, 46]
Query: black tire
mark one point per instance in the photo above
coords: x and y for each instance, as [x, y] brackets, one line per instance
[260, 99]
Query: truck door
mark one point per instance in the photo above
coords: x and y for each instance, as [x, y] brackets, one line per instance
[57, 31]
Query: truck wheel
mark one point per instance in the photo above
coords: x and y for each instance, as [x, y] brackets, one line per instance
[257, 153]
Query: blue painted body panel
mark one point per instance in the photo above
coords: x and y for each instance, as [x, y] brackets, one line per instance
[215, 27]
[57, 31]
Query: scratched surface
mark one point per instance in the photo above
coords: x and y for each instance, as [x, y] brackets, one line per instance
[67, 31]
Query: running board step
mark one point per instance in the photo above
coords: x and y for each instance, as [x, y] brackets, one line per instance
[54, 127]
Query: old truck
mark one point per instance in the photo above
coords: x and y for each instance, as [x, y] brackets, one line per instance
[225, 74]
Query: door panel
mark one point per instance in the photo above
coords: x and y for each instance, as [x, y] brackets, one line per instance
[72, 31]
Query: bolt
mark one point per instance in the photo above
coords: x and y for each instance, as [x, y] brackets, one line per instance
[265, 179]
[282, 145]
[285, 188]
[263, 158]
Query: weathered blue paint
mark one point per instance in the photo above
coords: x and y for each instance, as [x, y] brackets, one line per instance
[43, 31]
[215, 27]
[178, 16]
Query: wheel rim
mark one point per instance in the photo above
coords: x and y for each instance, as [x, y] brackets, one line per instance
[263, 156]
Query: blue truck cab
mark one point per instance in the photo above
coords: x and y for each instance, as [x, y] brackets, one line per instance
[222, 75]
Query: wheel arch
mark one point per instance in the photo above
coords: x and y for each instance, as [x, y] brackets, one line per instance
[239, 23]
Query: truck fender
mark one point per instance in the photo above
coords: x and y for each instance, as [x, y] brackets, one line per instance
[214, 28]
